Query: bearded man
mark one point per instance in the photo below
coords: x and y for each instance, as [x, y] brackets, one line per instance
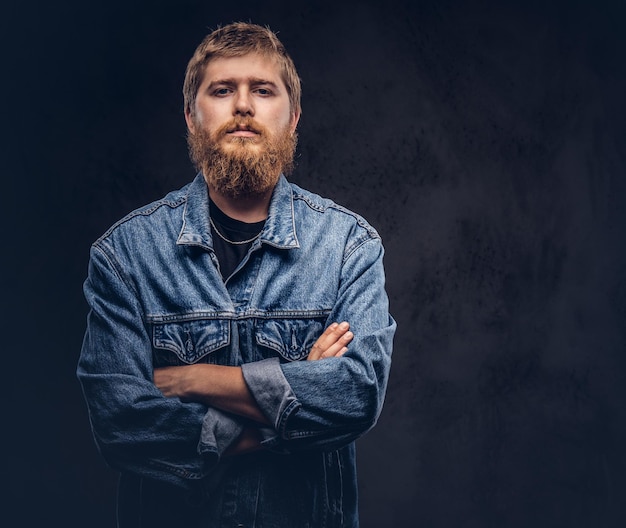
[238, 340]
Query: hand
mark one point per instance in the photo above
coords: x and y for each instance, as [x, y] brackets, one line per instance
[249, 441]
[332, 343]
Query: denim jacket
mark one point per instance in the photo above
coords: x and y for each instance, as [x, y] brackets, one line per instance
[157, 298]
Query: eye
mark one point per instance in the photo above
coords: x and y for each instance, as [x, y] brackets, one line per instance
[265, 92]
[221, 92]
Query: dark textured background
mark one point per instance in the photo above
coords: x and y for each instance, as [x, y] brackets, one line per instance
[486, 142]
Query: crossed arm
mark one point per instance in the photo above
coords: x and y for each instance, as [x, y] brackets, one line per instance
[224, 387]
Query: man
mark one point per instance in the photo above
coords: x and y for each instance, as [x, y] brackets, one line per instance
[238, 339]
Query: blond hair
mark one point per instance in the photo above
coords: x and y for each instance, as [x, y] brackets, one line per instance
[235, 40]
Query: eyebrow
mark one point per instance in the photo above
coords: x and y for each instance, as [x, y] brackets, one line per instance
[251, 80]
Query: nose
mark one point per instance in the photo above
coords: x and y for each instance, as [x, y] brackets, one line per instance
[243, 103]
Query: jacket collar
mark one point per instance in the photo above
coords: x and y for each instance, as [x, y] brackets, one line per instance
[279, 229]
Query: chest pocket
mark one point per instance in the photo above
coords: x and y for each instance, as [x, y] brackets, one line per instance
[190, 341]
[292, 339]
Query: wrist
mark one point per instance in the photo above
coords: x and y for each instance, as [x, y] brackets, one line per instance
[195, 386]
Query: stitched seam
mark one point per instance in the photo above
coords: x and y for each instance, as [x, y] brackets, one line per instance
[143, 212]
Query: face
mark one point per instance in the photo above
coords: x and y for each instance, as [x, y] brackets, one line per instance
[242, 133]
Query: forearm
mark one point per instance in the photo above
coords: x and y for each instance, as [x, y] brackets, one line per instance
[217, 386]
[331, 402]
[130, 419]
[131, 425]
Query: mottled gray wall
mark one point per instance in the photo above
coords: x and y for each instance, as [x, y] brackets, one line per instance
[486, 142]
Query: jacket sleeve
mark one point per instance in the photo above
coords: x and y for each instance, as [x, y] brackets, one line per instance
[135, 427]
[328, 403]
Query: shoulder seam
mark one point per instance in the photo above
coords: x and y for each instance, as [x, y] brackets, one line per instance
[358, 243]
[327, 203]
[144, 211]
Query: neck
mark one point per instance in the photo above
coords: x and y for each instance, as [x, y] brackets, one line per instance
[252, 208]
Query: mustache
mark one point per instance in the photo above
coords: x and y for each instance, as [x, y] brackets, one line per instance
[241, 123]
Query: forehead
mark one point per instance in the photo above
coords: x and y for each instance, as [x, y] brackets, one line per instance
[245, 67]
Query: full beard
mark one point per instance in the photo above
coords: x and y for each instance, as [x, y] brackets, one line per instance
[242, 166]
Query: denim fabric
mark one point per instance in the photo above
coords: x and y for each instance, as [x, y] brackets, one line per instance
[156, 298]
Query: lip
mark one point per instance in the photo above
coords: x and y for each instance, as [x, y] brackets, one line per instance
[242, 133]
[242, 130]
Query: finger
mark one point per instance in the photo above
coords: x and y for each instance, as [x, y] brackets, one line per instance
[339, 353]
[330, 336]
[337, 348]
[318, 347]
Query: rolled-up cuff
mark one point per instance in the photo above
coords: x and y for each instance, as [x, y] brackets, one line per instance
[272, 391]
[219, 431]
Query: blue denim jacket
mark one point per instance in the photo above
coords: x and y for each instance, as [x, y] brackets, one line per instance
[156, 298]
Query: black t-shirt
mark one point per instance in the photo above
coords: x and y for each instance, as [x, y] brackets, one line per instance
[239, 235]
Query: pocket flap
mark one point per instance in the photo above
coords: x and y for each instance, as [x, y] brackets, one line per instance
[291, 338]
[192, 340]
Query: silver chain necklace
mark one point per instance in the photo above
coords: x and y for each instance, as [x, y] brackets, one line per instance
[237, 243]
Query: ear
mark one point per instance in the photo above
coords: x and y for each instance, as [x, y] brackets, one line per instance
[295, 118]
[191, 126]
